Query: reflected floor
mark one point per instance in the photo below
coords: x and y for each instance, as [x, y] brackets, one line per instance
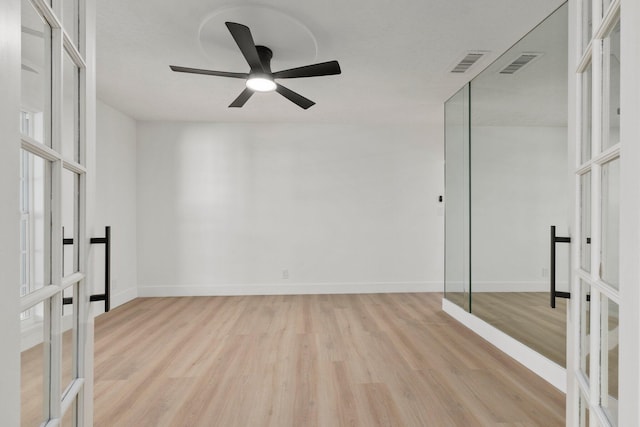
[525, 316]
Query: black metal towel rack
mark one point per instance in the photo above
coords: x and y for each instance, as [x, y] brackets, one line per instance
[106, 296]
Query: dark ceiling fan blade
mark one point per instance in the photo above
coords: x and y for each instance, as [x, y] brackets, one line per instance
[242, 98]
[296, 98]
[242, 35]
[208, 72]
[323, 69]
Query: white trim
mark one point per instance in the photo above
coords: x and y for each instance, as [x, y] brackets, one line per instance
[287, 289]
[37, 148]
[37, 296]
[550, 371]
[122, 298]
[515, 286]
[585, 61]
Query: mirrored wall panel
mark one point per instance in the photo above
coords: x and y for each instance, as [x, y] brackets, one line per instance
[515, 186]
[457, 202]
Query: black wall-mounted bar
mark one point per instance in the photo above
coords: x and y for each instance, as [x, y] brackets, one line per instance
[106, 296]
[552, 291]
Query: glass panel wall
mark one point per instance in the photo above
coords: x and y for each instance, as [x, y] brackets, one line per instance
[506, 184]
[457, 201]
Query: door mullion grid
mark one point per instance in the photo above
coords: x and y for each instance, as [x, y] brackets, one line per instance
[596, 225]
[82, 312]
[598, 342]
[593, 53]
[55, 305]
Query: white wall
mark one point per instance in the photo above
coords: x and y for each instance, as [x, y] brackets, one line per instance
[116, 203]
[235, 208]
[518, 190]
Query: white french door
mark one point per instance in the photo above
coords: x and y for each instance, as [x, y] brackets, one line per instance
[603, 350]
[54, 295]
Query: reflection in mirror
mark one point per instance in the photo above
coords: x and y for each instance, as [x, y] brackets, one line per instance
[457, 198]
[519, 188]
[32, 366]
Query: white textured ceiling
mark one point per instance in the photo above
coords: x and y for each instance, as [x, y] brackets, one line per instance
[395, 55]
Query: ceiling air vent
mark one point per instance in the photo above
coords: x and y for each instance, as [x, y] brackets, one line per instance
[520, 62]
[469, 59]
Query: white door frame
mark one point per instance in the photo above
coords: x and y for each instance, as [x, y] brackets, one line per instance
[79, 394]
[628, 296]
[629, 410]
[10, 59]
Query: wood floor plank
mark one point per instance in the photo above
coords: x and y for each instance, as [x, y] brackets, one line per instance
[313, 360]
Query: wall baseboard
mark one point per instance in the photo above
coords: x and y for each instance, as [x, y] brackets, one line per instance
[289, 289]
[123, 297]
[117, 299]
[508, 286]
[511, 286]
[550, 371]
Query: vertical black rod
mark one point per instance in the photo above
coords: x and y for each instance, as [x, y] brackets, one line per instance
[107, 269]
[552, 269]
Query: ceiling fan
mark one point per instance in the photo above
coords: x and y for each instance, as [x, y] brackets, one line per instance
[260, 78]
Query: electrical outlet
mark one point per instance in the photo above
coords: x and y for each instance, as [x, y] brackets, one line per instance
[285, 274]
[545, 272]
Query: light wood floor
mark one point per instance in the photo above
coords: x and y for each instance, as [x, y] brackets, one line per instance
[316, 360]
[525, 316]
[326, 360]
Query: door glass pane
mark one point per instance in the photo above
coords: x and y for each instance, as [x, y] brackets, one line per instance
[585, 221]
[70, 109]
[609, 359]
[68, 358]
[32, 366]
[587, 22]
[610, 222]
[34, 223]
[518, 154]
[457, 198]
[584, 411]
[611, 117]
[585, 129]
[36, 74]
[70, 19]
[67, 419]
[70, 182]
[585, 327]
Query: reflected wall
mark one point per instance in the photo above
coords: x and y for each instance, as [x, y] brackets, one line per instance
[516, 186]
[457, 206]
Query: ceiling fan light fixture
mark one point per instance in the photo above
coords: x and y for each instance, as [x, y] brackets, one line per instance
[261, 84]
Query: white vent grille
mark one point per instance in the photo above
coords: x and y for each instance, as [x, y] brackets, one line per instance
[520, 62]
[469, 59]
